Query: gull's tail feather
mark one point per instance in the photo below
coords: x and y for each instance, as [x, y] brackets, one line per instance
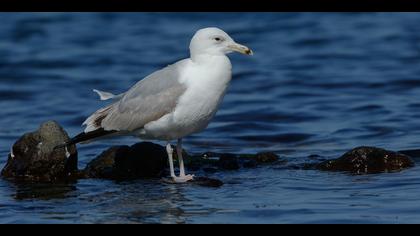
[94, 121]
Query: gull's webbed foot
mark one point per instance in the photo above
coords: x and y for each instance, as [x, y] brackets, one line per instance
[179, 179]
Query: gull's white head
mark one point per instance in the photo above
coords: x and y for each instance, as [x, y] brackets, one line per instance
[214, 41]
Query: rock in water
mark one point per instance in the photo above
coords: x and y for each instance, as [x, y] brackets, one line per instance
[367, 160]
[266, 157]
[228, 161]
[33, 156]
[103, 166]
[141, 160]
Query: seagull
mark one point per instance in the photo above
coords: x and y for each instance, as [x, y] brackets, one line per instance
[170, 103]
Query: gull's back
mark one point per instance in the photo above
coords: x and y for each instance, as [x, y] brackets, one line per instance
[148, 100]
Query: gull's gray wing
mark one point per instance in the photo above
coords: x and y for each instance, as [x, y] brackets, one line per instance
[148, 100]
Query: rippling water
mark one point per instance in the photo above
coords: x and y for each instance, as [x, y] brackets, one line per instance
[319, 83]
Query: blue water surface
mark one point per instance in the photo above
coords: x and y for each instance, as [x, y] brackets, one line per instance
[318, 83]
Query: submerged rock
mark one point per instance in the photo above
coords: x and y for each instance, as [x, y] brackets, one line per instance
[103, 166]
[266, 157]
[367, 160]
[228, 161]
[253, 160]
[211, 162]
[250, 163]
[34, 158]
[142, 160]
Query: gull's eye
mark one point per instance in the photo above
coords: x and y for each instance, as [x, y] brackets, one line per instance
[218, 39]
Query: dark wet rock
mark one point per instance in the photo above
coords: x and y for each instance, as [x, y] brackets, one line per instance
[199, 161]
[366, 160]
[207, 182]
[266, 157]
[193, 163]
[142, 160]
[228, 161]
[33, 157]
[253, 160]
[103, 166]
[150, 160]
[212, 161]
[207, 155]
[259, 158]
[250, 164]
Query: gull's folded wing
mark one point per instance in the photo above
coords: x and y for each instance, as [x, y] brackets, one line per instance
[148, 100]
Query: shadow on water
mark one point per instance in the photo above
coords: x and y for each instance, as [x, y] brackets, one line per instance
[21, 190]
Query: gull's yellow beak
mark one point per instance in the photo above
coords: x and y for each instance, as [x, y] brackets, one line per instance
[241, 49]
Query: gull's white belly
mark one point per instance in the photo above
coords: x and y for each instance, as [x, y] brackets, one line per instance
[195, 108]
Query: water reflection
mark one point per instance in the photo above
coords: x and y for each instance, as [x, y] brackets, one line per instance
[42, 191]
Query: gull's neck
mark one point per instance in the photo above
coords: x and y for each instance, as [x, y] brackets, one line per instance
[204, 58]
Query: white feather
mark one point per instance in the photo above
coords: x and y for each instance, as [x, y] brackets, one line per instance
[104, 95]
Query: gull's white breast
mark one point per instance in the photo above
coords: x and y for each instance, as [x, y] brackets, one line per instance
[206, 83]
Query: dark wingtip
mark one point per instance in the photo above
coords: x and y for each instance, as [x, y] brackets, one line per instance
[82, 137]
